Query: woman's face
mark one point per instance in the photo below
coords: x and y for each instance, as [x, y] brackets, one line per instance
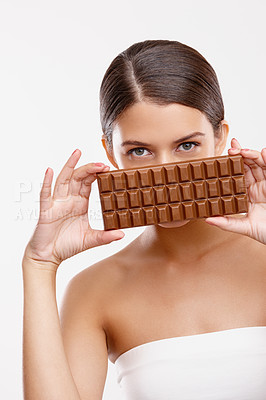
[147, 134]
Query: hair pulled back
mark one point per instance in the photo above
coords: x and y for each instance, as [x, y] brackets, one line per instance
[160, 72]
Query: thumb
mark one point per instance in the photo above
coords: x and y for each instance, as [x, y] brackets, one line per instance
[98, 237]
[236, 225]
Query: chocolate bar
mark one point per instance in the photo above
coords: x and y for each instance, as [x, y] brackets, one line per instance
[179, 191]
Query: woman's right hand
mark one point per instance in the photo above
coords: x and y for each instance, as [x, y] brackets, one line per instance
[63, 228]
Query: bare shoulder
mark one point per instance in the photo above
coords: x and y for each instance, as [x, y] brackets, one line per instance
[249, 256]
[95, 283]
[111, 267]
[258, 255]
[109, 273]
[250, 247]
[253, 248]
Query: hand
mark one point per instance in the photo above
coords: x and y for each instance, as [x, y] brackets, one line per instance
[63, 228]
[253, 224]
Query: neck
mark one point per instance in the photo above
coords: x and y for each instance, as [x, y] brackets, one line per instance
[184, 244]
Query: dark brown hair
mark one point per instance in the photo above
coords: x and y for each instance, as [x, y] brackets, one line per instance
[160, 72]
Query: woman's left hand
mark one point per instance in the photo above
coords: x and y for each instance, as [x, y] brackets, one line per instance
[253, 224]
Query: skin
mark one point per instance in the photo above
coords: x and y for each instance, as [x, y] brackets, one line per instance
[173, 280]
[191, 270]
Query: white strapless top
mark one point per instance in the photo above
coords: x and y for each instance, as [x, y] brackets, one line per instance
[223, 365]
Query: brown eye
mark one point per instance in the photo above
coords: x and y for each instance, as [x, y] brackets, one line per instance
[187, 145]
[138, 151]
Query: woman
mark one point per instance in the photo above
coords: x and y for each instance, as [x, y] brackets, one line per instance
[181, 309]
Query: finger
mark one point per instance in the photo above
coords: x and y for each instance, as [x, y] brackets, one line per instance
[45, 193]
[86, 170]
[235, 143]
[263, 155]
[74, 187]
[83, 177]
[97, 237]
[249, 178]
[235, 147]
[233, 151]
[256, 163]
[86, 184]
[236, 225]
[62, 182]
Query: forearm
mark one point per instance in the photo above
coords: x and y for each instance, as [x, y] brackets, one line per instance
[46, 372]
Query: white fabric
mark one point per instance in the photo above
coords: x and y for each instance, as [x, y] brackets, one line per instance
[223, 365]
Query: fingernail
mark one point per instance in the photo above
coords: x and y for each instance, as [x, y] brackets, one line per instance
[74, 152]
[245, 149]
[99, 164]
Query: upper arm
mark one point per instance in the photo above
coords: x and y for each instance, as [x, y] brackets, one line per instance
[84, 339]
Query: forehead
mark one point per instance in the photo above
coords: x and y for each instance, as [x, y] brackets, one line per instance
[143, 118]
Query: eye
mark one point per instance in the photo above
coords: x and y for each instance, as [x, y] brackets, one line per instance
[187, 145]
[138, 151]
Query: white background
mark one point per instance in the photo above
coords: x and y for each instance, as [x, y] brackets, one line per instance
[53, 55]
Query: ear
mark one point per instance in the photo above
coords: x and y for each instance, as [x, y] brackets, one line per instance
[220, 142]
[109, 156]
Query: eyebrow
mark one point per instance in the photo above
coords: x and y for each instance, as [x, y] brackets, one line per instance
[138, 143]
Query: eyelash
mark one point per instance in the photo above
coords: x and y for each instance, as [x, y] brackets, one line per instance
[137, 148]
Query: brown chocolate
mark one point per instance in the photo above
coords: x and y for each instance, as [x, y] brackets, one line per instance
[155, 194]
